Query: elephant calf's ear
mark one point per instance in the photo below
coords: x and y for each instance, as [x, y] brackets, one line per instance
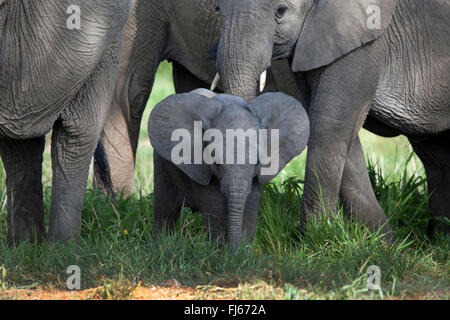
[177, 112]
[334, 28]
[278, 111]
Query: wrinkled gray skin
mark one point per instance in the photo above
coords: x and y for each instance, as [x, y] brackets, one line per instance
[181, 31]
[228, 195]
[394, 80]
[53, 78]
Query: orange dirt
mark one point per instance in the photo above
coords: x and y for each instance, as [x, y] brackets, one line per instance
[140, 293]
[170, 290]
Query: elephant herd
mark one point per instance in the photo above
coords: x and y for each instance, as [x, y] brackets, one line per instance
[379, 64]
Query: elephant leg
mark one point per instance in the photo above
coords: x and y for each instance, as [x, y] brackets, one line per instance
[339, 106]
[251, 212]
[184, 81]
[213, 206]
[22, 160]
[434, 153]
[166, 202]
[143, 46]
[215, 219]
[114, 159]
[75, 136]
[357, 194]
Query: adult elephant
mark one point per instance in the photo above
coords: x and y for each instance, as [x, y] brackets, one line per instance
[384, 64]
[181, 31]
[58, 62]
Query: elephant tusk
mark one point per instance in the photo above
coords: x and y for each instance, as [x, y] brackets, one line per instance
[262, 81]
[215, 82]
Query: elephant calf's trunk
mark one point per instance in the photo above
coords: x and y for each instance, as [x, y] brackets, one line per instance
[236, 206]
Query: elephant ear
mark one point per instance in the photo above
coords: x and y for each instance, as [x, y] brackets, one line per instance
[180, 111]
[334, 28]
[278, 111]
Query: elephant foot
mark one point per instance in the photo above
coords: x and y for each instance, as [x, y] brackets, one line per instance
[24, 231]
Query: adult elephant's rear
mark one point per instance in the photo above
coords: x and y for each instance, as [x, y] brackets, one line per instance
[383, 63]
[58, 63]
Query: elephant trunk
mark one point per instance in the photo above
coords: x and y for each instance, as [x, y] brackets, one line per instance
[244, 55]
[236, 198]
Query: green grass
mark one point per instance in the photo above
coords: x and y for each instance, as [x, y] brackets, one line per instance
[328, 262]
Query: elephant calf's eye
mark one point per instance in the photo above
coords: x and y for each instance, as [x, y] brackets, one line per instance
[281, 11]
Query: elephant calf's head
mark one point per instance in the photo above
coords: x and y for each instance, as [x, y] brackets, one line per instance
[208, 135]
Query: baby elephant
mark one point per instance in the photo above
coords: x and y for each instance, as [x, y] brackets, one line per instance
[213, 152]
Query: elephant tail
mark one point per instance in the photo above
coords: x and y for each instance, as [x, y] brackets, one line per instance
[102, 172]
